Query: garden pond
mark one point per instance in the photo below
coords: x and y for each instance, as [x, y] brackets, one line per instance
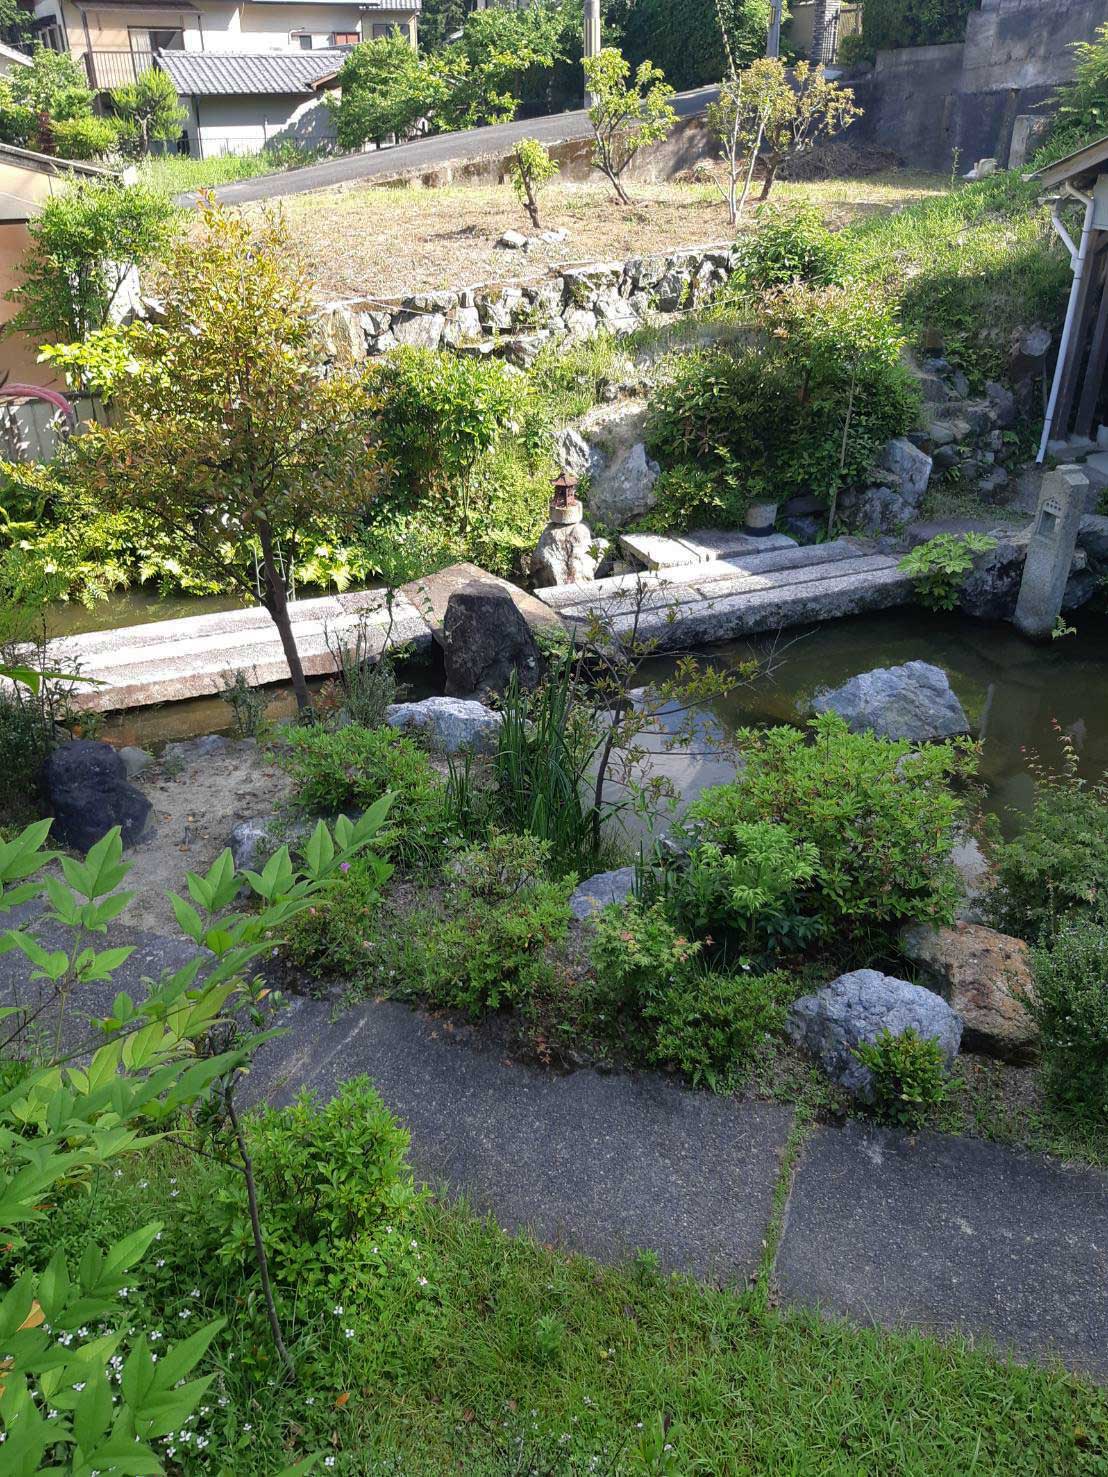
[1013, 692]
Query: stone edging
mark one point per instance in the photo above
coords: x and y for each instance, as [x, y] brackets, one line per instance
[513, 320]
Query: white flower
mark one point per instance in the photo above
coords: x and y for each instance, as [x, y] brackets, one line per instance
[349, 1333]
[413, 1244]
[247, 1426]
[337, 1310]
[82, 1333]
[310, 1400]
[154, 1335]
[423, 1282]
[195, 1293]
[173, 1194]
[328, 1461]
[160, 1262]
[79, 1386]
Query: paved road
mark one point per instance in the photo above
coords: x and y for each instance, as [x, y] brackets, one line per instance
[425, 153]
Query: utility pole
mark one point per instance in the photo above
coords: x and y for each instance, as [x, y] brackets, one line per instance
[773, 40]
[592, 38]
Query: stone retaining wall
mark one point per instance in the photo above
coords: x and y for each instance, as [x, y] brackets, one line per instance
[514, 320]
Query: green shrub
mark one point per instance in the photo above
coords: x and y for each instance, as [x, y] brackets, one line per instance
[688, 496]
[348, 769]
[1069, 1004]
[85, 138]
[1056, 867]
[880, 815]
[334, 936]
[908, 1076]
[939, 566]
[502, 867]
[651, 987]
[1081, 105]
[791, 244]
[742, 887]
[767, 421]
[888, 24]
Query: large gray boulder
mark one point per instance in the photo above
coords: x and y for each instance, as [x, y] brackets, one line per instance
[913, 702]
[485, 640]
[910, 467]
[566, 554]
[856, 1008]
[622, 489]
[450, 724]
[601, 891]
[87, 792]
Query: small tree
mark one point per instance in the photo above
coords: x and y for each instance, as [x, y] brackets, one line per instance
[385, 88]
[84, 246]
[626, 115]
[224, 430]
[785, 115]
[726, 120]
[531, 168]
[150, 109]
[484, 70]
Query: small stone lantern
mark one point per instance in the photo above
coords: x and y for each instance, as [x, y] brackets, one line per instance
[564, 506]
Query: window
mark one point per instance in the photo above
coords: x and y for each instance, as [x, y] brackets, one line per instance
[302, 39]
[345, 38]
[381, 29]
[51, 37]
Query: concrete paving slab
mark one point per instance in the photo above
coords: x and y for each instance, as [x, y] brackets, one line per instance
[602, 1164]
[952, 1234]
[659, 551]
[723, 543]
[166, 661]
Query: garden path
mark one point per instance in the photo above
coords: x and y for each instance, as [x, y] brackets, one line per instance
[949, 1234]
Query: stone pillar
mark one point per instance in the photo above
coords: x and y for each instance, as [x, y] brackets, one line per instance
[1050, 551]
[825, 32]
[592, 37]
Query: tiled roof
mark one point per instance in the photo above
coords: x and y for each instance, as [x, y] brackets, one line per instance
[248, 74]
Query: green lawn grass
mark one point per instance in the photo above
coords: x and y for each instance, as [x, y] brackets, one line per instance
[516, 1358]
[175, 173]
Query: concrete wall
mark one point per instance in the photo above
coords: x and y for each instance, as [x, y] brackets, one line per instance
[244, 125]
[926, 101]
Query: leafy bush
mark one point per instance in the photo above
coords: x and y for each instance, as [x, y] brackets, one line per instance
[683, 36]
[84, 244]
[348, 769]
[791, 244]
[149, 111]
[887, 24]
[331, 1177]
[939, 566]
[504, 865]
[333, 936]
[1056, 867]
[531, 167]
[880, 815]
[908, 1076]
[1069, 1004]
[85, 138]
[741, 887]
[438, 414]
[651, 984]
[768, 421]
[1081, 105]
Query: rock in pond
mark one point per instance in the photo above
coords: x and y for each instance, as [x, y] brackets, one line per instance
[856, 1008]
[87, 793]
[601, 891]
[981, 974]
[485, 640]
[450, 724]
[913, 702]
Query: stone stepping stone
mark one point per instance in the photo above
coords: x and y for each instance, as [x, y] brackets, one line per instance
[952, 1234]
[658, 551]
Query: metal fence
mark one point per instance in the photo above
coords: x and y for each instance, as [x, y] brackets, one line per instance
[114, 68]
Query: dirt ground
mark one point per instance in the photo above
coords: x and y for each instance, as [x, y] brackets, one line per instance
[196, 803]
[386, 241]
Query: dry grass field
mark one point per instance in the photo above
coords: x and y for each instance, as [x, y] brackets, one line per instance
[384, 241]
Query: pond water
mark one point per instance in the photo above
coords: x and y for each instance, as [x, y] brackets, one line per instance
[1011, 689]
[135, 607]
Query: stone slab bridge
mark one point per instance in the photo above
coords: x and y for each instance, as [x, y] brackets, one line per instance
[704, 587]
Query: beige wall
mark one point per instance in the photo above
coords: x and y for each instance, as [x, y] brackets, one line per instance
[18, 354]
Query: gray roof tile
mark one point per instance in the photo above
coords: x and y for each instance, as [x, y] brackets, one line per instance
[247, 74]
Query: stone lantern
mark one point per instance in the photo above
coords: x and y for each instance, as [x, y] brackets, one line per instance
[567, 553]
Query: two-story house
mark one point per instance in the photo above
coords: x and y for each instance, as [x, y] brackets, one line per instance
[245, 69]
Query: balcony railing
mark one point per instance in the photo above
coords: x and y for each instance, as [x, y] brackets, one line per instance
[114, 68]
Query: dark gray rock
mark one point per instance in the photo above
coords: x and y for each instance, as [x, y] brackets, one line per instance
[450, 724]
[134, 760]
[954, 1235]
[189, 750]
[989, 592]
[857, 1007]
[87, 792]
[1092, 536]
[485, 640]
[878, 510]
[601, 891]
[1003, 403]
[910, 468]
[912, 702]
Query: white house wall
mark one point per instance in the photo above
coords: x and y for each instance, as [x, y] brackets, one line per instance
[244, 125]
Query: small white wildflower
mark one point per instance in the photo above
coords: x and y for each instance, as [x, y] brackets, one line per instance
[423, 1282]
[328, 1461]
[337, 1310]
[247, 1426]
[310, 1400]
[195, 1293]
[79, 1386]
[349, 1332]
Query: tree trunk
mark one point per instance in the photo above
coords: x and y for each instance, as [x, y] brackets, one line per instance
[276, 602]
[532, 204]
[772, 166]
